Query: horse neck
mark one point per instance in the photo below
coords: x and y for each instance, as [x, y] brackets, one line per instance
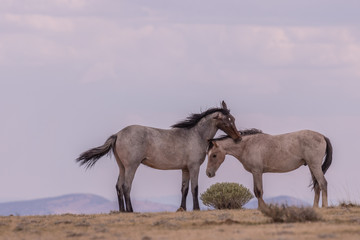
[206, 128]
[231, 148]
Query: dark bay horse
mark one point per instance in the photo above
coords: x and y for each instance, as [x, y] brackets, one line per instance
[260, 153]
[182, 147]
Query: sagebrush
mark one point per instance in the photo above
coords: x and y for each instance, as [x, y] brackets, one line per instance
[226, 196]
[284, 213]
[348, 204]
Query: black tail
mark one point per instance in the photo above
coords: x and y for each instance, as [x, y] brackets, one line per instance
[90, 157]
[328, 159]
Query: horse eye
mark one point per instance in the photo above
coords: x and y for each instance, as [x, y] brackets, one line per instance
[214, 156]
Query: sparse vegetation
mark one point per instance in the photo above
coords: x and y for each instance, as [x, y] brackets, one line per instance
[284, 213]
[226, 196]
[336, 223]
[348, 204]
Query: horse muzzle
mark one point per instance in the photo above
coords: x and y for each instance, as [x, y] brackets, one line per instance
[237, 137]
[234, 134]
[210, 174]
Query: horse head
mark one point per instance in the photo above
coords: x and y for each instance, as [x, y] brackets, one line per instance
[226, 122]
[216, 156]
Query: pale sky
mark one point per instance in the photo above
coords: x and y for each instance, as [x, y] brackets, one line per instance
[73, 72]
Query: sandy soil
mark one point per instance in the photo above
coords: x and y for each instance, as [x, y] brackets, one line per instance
[336, 223]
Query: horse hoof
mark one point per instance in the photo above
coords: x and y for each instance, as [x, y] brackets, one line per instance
[181, 209]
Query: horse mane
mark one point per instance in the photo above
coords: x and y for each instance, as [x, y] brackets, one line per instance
[251, 131]
[194, 118]
[243, 133]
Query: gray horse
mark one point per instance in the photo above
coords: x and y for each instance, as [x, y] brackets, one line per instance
[260, 153]
[182, 147]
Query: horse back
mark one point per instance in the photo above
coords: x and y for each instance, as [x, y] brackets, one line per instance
[284, 152]
[305, 144]
[157, 148]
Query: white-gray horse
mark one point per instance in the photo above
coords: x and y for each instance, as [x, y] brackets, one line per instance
[260, 153]
[182, 147]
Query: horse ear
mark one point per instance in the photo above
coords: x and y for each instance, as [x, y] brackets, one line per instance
[212, 143]
[224, 105]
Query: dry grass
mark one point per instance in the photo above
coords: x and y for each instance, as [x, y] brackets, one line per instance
[284, 213]
[348, 204]
[336, 223]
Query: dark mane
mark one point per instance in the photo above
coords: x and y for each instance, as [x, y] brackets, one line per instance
[243, 133]
[251, 131]
[194, 118]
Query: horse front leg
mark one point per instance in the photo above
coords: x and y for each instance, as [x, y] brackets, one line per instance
[184, 188]
[194, 175]
[258, 190]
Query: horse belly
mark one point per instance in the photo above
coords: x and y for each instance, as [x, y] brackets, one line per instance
[282, 166]
[162, 165]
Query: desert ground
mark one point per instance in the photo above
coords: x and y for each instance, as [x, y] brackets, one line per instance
[336, 223]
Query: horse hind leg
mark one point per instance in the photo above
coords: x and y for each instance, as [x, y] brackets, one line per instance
[316, 188]
[323, 187]
[119, 189]
[317, 196]
[129, 177]
[320, 184]
[120, 183]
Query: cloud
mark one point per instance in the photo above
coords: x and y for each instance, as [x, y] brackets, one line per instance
[254, 57]
[72, 4]
[247, 12]
[40, 22]
[100, 71]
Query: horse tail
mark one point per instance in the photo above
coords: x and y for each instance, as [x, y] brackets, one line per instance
[328, 159]
[90, 157]
[329, 151]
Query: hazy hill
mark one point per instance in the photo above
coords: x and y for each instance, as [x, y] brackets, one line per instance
[75, 203]
[91, 204]
[290, 201]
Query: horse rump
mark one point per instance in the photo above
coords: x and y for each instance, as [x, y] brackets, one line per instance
[326, 164]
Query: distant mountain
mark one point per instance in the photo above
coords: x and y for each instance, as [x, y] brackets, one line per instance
[150, 206]
[76, 204]
[176, 200]
[290, 201]
[92, 204]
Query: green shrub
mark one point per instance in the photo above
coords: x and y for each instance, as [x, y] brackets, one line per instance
[284, 213]
[226, 196]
